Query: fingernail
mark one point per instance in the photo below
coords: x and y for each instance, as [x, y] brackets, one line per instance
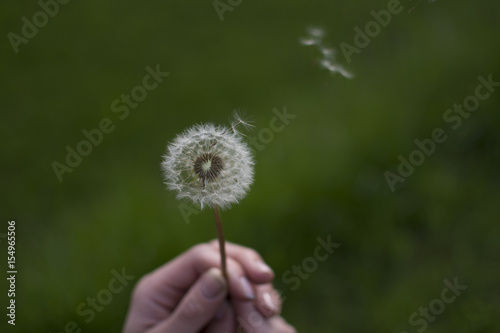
[264, 268]
[269, 303]
[247, 288]
[212, 284]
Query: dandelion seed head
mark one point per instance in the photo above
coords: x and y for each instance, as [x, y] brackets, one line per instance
[209, 165]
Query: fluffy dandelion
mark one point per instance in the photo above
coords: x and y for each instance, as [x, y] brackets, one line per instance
[211, 166]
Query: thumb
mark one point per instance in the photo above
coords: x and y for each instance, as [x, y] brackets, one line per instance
[198, 307]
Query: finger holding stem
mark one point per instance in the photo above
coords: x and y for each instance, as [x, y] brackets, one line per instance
[222, 242]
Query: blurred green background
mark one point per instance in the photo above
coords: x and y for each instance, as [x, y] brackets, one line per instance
[323, 175]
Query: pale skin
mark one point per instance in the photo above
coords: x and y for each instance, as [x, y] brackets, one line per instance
[190, 295]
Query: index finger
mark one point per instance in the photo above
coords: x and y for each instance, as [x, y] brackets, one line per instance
[251, 261]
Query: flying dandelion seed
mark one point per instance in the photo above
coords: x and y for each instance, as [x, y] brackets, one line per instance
[239, 118]
[212, 167]
[315, 37]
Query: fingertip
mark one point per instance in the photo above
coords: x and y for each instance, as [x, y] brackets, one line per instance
[240, 287]
[268, 301]
[270, 304]
[213, 284]
[264, 273]
[247, 288]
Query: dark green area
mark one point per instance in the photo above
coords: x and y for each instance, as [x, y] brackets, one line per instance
[323, 175]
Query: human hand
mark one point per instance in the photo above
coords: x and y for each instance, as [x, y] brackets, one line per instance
[189, 295]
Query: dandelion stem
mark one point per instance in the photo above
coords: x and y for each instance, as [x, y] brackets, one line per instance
[222, 241]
